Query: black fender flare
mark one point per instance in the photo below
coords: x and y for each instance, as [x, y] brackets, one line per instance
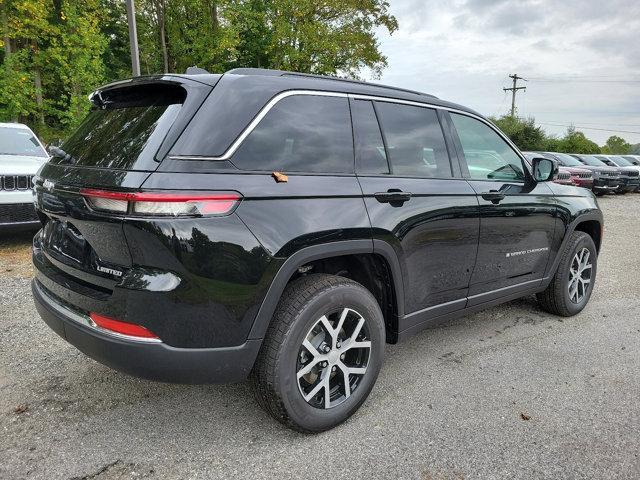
[317, 252]
[584, 217]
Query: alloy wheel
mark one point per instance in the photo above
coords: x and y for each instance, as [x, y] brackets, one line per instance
[333, 358]
[580, 275]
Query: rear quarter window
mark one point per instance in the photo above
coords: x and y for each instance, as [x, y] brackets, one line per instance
[300, 133]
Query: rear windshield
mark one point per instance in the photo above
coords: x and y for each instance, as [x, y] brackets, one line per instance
[19, 141]
[124, 129]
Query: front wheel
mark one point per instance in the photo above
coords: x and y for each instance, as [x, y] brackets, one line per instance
[322, 353]
[571, 287]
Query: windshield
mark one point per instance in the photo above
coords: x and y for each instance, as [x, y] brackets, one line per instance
[568, 160]
[632, 160]
[592, 161]
[620, 161]
[19, 141]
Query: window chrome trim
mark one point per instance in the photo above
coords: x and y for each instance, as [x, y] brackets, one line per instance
[446, 109]
[257, 119]
[319, 93]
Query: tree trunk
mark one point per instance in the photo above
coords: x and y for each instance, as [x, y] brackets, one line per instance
[213, 7]
[5, 36]
[39, 102]
[163, 35]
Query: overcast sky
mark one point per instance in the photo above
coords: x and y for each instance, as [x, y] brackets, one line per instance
[582, 59]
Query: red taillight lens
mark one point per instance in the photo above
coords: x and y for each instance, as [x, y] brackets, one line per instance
[123, 328]
[162, 203]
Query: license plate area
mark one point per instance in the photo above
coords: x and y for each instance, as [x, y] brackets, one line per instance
[63, 240]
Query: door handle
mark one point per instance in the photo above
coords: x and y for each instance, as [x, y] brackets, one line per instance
[494, 196]
[392, 196]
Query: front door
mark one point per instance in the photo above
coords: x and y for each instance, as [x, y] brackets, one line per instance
[517, 216]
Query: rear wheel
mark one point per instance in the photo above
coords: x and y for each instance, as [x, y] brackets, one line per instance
[322, 353]
[571, 287]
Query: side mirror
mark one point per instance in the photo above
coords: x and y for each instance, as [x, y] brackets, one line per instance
[544, 169]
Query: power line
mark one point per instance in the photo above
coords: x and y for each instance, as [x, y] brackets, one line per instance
[579, 80]
[513, 90]
[587, 128]
[602, 124]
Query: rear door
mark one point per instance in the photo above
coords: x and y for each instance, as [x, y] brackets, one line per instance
[517, 216]
[416, 204]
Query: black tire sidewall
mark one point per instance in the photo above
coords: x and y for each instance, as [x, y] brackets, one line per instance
[349, 295]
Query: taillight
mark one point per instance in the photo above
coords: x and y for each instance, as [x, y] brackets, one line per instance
[162, 203]
[122, 328]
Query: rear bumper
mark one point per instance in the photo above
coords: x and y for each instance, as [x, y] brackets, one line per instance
[150, 360]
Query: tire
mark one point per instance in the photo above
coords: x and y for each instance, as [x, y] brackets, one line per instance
[274, 377]
[557, 298]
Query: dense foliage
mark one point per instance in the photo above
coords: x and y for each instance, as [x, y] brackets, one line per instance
[55, 52]
[529, 137]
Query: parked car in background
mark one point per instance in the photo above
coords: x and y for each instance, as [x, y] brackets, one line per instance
[605, 179]
[626, 165]
[228, 233]
[629, 176]
[567, 175]
[21, 155]
[634, 159]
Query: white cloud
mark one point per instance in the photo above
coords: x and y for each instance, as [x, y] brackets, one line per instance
[462, 51]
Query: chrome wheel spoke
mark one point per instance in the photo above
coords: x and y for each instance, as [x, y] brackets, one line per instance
[345, 381]
[352, 344]
[357, 370]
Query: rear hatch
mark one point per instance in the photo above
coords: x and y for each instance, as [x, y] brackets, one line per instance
[129, 129]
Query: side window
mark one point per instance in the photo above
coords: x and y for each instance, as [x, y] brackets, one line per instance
[487, 155]
[370, 154]
[301, 133]
[415, 142]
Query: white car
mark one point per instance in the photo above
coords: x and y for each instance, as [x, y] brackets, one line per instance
[21, 155]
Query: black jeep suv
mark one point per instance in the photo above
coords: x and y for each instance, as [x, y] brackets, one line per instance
[284, 227]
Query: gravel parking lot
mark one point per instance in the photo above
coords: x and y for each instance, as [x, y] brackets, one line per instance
[511, 392]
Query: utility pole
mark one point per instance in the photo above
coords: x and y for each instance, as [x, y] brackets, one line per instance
[133, 38]
[513, 91]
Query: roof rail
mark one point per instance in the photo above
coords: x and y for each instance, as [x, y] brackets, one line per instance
[283, 73]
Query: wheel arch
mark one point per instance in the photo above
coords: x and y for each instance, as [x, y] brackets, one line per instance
[590, 223]
[363, 254]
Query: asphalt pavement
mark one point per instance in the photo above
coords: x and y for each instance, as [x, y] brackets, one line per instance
[511, 392]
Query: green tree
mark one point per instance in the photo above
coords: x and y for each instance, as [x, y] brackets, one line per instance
[616, 146]
[55, 52]
[577, 142]
[523, 132]
[52, 60]
[327, 36]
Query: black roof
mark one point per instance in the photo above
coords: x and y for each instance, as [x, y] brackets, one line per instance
[272, 81]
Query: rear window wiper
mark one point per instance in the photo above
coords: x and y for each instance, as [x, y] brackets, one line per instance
[64, 157]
